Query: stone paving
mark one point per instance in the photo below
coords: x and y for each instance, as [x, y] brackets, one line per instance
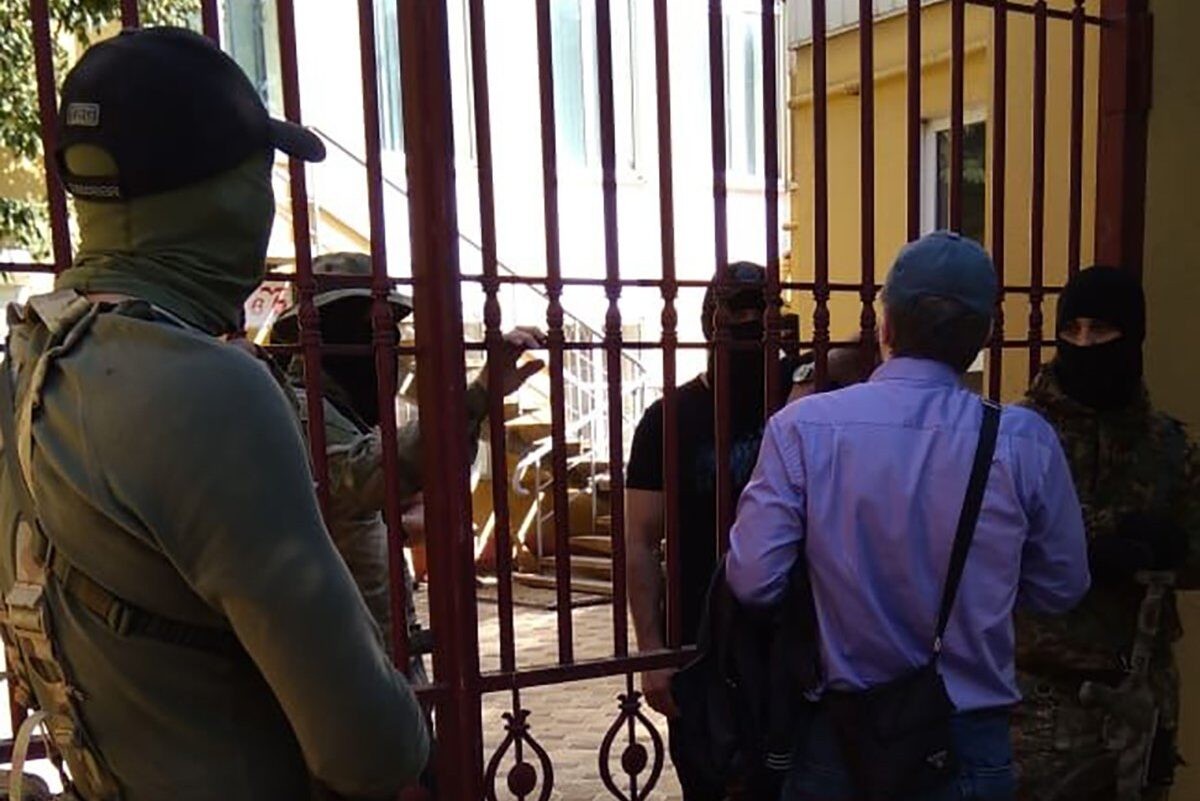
[568, 720]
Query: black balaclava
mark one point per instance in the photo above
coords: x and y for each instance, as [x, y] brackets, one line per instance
[1107, 376]
[348, 322]
[743, 290]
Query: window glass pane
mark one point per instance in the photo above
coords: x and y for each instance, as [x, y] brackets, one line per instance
[974, 223]
[245, 42]
[567, 57]
[975, 181]
[743, 91]
[387, 57]
[750, 97]
[624, 91]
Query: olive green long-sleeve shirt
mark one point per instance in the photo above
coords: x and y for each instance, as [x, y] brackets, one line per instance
[170, 468]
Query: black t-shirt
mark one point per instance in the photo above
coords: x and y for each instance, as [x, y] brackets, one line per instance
[697, 482]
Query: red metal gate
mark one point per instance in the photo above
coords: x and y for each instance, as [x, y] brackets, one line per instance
[460, 685]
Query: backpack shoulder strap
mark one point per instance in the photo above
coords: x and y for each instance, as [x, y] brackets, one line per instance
[67, 317]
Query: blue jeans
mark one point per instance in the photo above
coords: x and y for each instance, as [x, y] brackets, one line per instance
[980, 738]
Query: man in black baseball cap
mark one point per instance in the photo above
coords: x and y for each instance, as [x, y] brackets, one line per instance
[737, 292]
[193, 609]
[168, 150]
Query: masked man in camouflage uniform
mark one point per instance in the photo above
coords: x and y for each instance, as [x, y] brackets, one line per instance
[1138, 478]
[172, 602]
[352, 436]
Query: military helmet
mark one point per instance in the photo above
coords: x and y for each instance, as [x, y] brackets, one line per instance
[328, 269]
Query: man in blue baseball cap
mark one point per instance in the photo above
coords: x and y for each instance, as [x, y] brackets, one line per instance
[870, 484]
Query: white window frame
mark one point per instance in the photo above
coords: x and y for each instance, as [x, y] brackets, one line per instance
[626, 18]
[735, 93]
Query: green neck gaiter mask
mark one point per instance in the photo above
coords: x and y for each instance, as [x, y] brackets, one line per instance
[198, 252]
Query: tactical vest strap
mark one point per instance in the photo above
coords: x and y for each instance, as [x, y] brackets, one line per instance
[128, 619]
[40, 678]
[68, 317]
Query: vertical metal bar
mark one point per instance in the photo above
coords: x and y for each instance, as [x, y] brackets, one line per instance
[493, 336]
[43, 60]
[308, 317]
[721, 341]
[670, 320]
[820, 64]
[433, 228]
[999, 181]
[957, 76]
[770, 82]
[555, 336]
[612, 323]
[866, 26]
[43, 56]
[129, 14]
[914, 119]
[1126, 46]
[384, 334]
[210, 20]
[1075, 222]
[1037, 202]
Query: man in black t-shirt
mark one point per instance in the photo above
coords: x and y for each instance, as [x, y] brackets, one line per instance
[742, 299]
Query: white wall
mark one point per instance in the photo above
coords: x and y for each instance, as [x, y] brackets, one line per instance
[331, 96]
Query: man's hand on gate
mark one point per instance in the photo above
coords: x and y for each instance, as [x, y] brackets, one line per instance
[656, 688]
[510, 375]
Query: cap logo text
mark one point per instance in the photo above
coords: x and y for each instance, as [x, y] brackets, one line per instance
[95, 190]
[83, 115]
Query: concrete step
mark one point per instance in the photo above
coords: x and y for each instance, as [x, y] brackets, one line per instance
[578, 584]
[591, 545]
[595, 567]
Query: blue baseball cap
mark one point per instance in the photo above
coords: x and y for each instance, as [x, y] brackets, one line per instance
[946, 265]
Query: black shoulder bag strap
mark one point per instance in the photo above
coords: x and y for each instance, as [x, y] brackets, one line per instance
[969, 516]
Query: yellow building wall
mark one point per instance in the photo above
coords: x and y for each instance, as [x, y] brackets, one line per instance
[1172, 281]
[891, 160]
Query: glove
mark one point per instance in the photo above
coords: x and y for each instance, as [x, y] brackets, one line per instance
[1166, 539]
[1115, 559]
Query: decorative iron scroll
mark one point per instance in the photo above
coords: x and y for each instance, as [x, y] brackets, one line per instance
[635, 758]
[522, 778]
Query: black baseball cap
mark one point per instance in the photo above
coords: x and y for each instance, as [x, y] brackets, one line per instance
[171, 109]
[742, 289]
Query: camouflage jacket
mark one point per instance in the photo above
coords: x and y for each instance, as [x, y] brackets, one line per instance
[354, 458]
[1124, 461]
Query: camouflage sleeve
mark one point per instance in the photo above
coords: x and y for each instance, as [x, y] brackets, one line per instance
[1099, 521]
[356, 468]
[1188, 504]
